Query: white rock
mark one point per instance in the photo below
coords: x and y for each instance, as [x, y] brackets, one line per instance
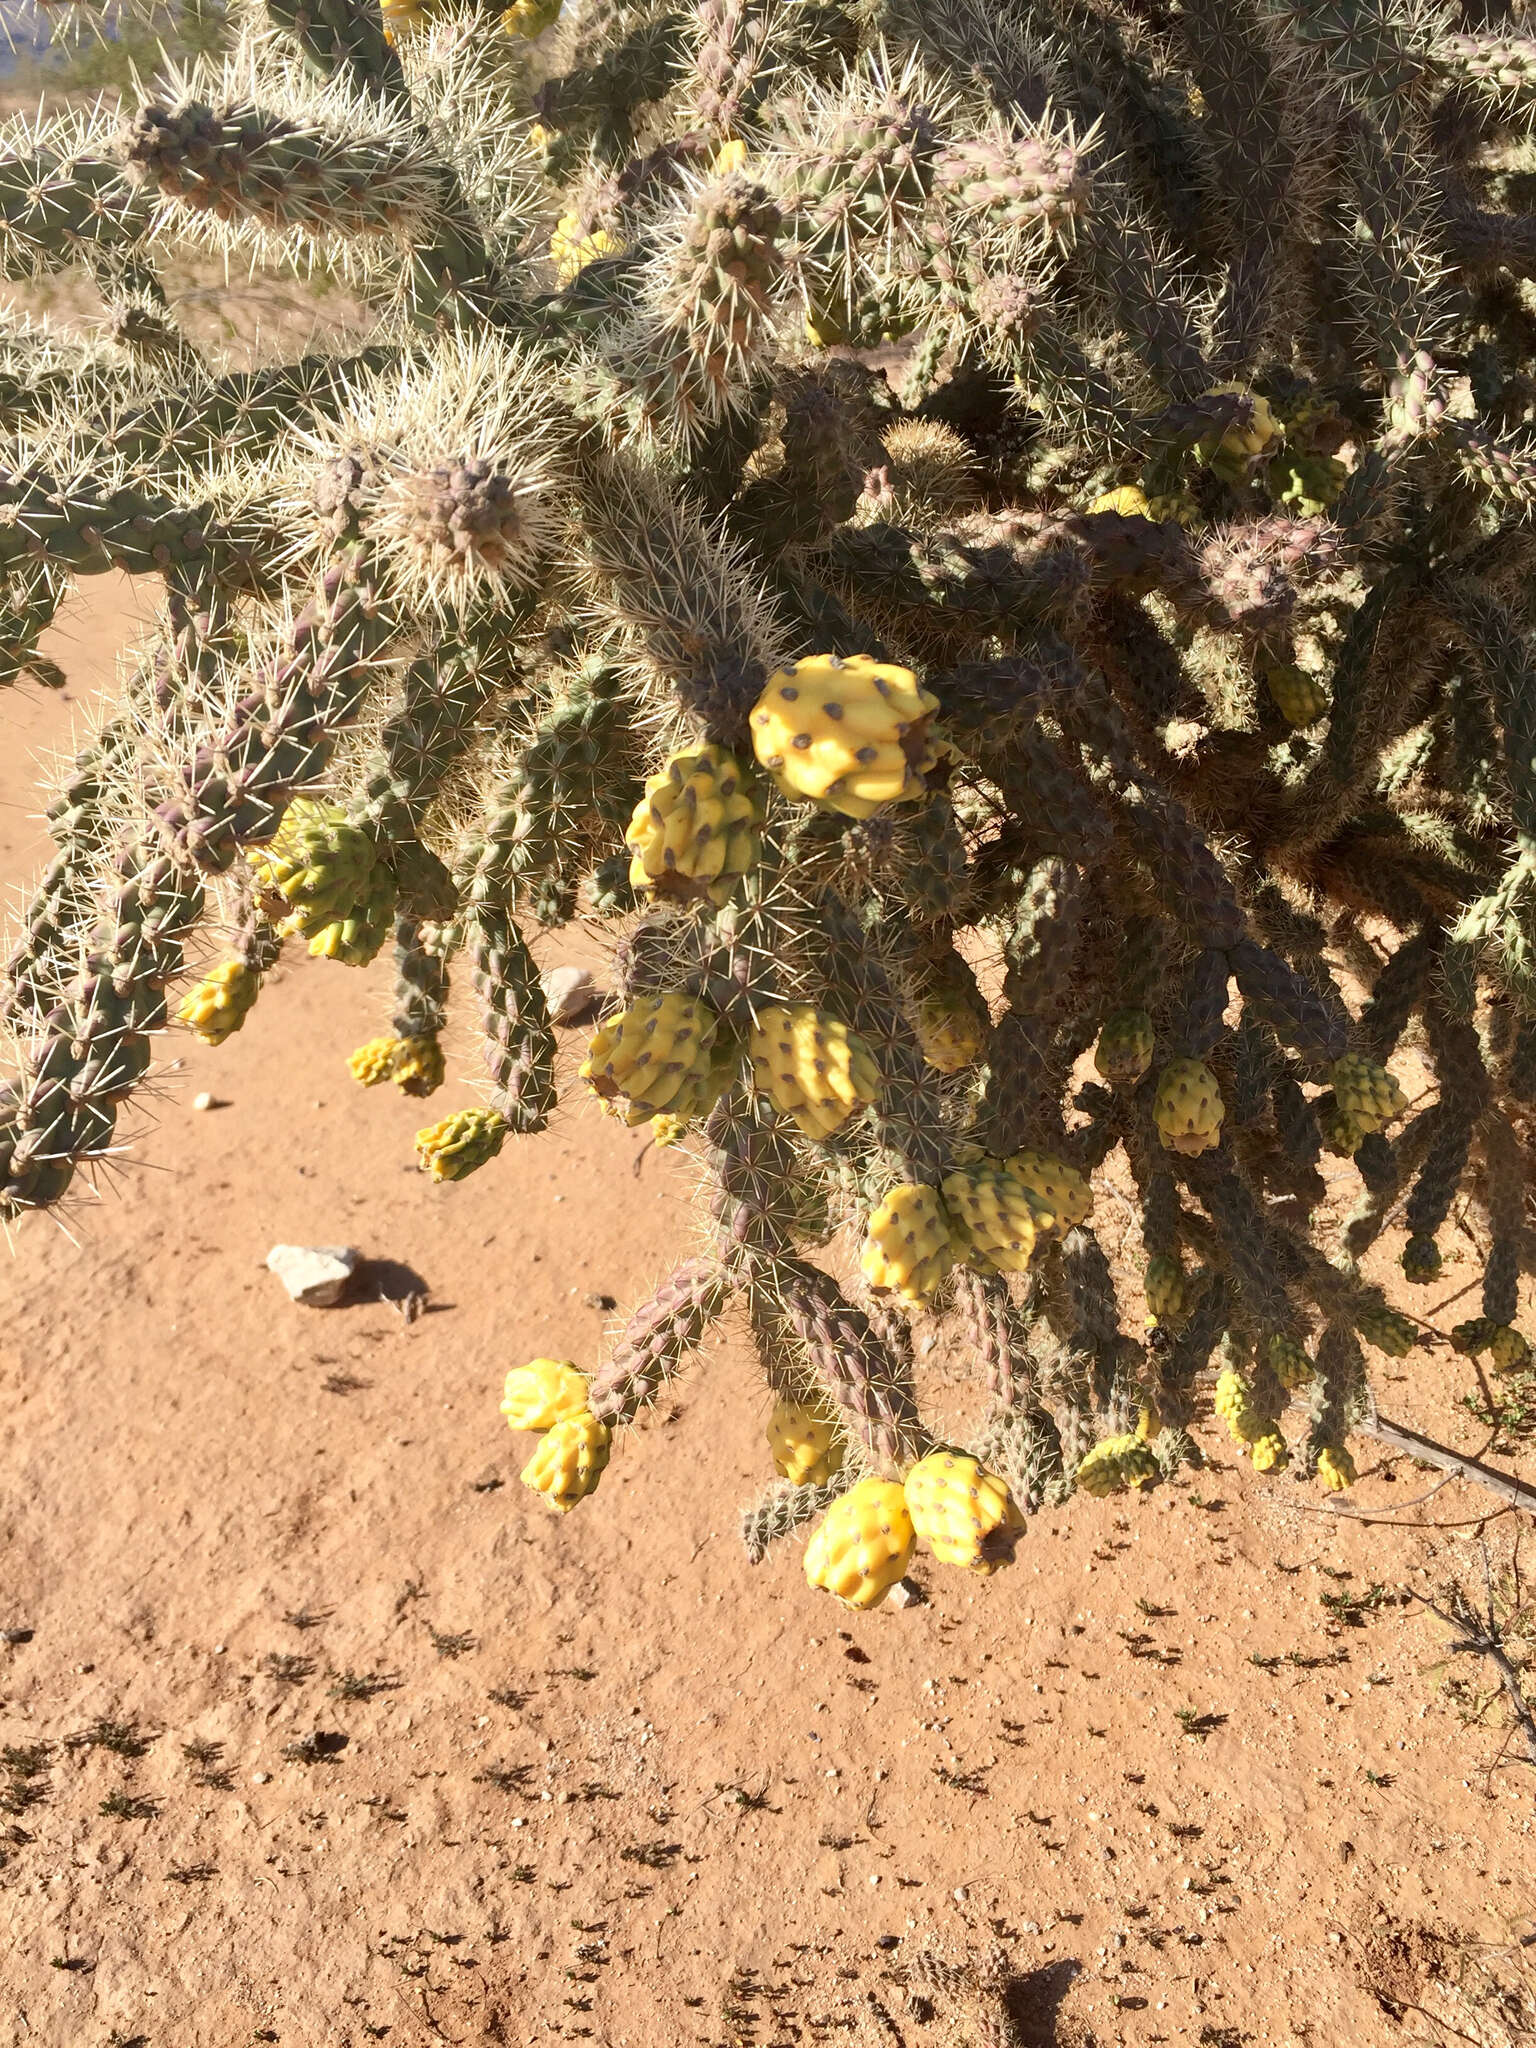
[314, 1274]
[203, 1101]
[570, 992]
[906, 1593]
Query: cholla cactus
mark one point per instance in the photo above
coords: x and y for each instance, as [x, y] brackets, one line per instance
[1154, 627]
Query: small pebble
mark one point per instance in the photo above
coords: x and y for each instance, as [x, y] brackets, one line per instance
[261, 1777]
[204, 1100]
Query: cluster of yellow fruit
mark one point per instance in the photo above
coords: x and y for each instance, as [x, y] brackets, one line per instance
[220, 1003]
[550, 1395]
[334, 888]
[1249, 1426]
[989, 1213]
[948, 1501]
[415, 1065]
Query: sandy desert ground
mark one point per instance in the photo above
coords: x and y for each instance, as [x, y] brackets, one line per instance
[319, 1729]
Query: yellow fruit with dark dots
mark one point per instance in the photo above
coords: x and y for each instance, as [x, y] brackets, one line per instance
[1473, 1338]
[1230, 452]
[1387, 1330]
[804, 1439]
[963, 1513]
[1342, 1136]
[1234, 1404]
[950, 1032]
[1367, 1092]
[530, 18]
[812, 1067]
[461, 1143]
[1300, 698]
[1060, 1190]
[221, 1002]
[906, 1243]
[569, 1460]
[1421, 1260]
[653, 1057]
[1188, 1108]
[996, 1223]
[730, 156]
[1116, 1463]
[1269, 1452]
[543, 1392]
[1507, 1349]
[696, 831]
[573, 246]
[1165, 1289]
[1288, 1361]
[1149, 1423]
[847, 732]
[1123, 1052]
[1129, 500]
[862, 1545]
[1336, 1468]
[373, 1062]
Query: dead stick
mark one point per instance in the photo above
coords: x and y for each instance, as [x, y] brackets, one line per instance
[1504, 1484]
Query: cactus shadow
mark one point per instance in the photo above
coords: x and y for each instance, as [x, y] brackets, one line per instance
[393, 1281]
[1034, 2006]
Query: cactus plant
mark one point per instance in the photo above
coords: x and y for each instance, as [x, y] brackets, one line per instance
[1151, 623]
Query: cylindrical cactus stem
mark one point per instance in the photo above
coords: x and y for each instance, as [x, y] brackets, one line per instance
[442, 697]
[1386, 1165]
[876, 1397]
[84, 530]
[784, 1508]
[1504, 1197]
[906, 1118]
[62, 194]
[1338, 1388]
[726, 63]
[658, 1337]
[237, 161]
[235, 790]
[518, 1043]
[346, 37]
[1395, 994]
[32, 599]
[756, 1169]
[995, 1339]
[421, 984]
[1245, 1235]
[1198, 1019]
[93, 1048]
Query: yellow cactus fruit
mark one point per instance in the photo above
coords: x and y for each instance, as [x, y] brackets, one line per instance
[804, 1439]
[963, 1513]
[461, 1143]
[1164, 1284]
[1149, 1423]
[1234, 1404]
[696, 831]
[997, 1221]
[400, 15]
[1342, 1136]
[812, 1067]
[419, 1065]
[1367, 1093]
[538, 135]
[655, 1054]
[543, 1392]
[1230, 452]
[373, 1062]
[1129, 500]
[1123, 1051]
[221, 1002]
[415, 1065]
[1387, 1330]
[906, 1246]
[949, 1030]
[1188, 1108]
[530, 18]
[1288, 1361]
[1269, 1452]
[1336, 1468]
[358, 934]
[569, 1460]
[320, 863]
[1299, 698]
[1115, 1464]
[730, 156]
[1061, 1192]
[1507, 1349]
[862, 1545]
[573, 246]
[847, 732]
